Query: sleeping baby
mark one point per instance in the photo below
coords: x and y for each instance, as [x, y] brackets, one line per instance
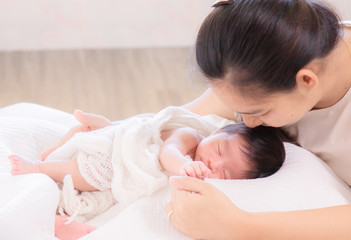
[177, 148]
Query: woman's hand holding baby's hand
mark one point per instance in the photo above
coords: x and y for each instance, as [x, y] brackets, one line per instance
[196, 169]
[202, 211]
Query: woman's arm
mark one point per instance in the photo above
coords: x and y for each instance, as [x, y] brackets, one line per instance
[326, 223]
[203, 212]
[208, 103]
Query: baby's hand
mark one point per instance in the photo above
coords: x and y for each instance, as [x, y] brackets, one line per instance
[45, 154]
[195, 169]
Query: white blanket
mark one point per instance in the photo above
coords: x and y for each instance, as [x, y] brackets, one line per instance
[303, 182]
[132, 146]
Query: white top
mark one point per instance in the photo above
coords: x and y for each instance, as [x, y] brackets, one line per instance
[327, 133]
[346, 23]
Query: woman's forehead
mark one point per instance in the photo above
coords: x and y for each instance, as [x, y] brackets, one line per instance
[250, 94]
[245, 101]
[230, 96]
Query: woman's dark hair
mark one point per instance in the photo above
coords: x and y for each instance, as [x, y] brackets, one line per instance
[265, 42]
[263, 148]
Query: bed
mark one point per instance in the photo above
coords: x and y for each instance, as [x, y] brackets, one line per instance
[29, 202]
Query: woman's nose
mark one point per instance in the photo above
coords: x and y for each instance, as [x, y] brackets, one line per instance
[251, 121]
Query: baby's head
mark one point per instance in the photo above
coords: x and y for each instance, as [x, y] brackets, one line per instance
[239, 152]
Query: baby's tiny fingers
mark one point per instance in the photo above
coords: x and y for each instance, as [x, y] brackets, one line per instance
[205, 171]
[198, 170]
[189, 171]
[182, 172]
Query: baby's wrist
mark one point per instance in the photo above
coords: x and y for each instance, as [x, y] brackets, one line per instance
[188, 159]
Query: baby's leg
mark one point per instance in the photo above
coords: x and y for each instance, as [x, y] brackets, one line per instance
[56, 170]
[73, 230]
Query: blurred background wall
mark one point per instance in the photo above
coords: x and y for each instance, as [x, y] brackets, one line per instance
[67, 24]
[112, 57]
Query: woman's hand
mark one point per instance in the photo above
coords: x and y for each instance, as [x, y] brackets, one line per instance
[201, 211]
[89, 122]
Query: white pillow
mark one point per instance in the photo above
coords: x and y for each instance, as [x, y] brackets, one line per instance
[28, 206]
[303, 182]
[28, 202]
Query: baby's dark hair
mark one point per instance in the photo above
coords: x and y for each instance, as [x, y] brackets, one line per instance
[263, 148]
[264, 43]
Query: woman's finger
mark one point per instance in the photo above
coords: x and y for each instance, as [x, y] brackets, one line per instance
[201, 211]
[168, 207]
[189, 184]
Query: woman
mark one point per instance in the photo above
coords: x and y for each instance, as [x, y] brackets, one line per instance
[281, 63]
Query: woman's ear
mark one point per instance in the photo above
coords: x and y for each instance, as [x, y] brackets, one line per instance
[306, 80]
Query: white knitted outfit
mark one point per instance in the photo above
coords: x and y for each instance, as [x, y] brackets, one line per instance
[122, 160]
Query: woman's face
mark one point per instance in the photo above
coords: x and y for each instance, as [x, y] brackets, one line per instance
[276, 110]
[221, 153]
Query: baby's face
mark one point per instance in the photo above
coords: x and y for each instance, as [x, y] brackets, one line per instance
[221, 153]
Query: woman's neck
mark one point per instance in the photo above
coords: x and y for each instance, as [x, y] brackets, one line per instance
[336, 80]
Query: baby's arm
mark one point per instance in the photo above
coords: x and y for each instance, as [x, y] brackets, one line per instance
[89, 122]
[174, 151]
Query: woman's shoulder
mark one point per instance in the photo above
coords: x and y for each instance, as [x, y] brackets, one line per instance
[319, 120]
[346, 23]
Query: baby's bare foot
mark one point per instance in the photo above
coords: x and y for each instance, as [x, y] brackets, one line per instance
[22, 166]
[73, 230]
